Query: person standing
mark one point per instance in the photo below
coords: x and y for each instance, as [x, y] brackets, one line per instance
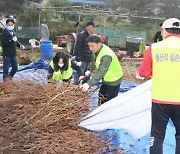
[158, 36]
[9, 44]
[162, 62]
[82, 52]
[107, 68]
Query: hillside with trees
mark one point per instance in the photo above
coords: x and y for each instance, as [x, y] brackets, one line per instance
[141, 15]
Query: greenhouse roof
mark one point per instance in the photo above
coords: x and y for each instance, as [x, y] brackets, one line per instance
[88, 2]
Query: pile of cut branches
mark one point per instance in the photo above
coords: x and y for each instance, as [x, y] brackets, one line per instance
[43, 118]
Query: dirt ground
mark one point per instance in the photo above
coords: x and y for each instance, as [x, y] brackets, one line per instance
[43, 119]
[132, 68]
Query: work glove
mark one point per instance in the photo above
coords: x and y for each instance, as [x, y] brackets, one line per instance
[88, 73]
[84, 87]
[81, 78]
[22, 47]
[78, 63]
[14, 38]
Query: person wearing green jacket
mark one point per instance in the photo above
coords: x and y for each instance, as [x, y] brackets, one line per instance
[108, 69]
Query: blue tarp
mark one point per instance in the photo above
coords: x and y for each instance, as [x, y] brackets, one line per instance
[38, 71]
[89, 2]
[39, 64]
[141, 146]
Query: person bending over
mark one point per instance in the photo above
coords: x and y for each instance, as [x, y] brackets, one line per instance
[61, 68]
[108, 69]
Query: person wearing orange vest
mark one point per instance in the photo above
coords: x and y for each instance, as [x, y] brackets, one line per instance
[107, 67]
[162, 62]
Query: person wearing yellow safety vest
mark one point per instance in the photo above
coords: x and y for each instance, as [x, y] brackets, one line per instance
[162, 62]
[107, 68]
[61, 67]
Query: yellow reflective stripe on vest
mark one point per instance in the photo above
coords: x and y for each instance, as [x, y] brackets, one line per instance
[114, 72]
[166, 70]
[57, 75]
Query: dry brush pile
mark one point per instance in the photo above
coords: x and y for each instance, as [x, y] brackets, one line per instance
[43, 118]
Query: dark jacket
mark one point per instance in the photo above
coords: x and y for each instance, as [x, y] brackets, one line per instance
[158, 37]
[8, 45]
[82, 51]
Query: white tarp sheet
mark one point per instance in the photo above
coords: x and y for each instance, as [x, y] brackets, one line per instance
[130, 111]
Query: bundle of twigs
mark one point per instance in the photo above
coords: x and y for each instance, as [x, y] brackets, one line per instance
[43, 118]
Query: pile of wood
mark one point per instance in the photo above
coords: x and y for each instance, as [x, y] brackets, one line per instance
[43, 118]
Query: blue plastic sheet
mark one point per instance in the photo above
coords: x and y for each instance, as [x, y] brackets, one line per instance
[141, 146]
[39, 64]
